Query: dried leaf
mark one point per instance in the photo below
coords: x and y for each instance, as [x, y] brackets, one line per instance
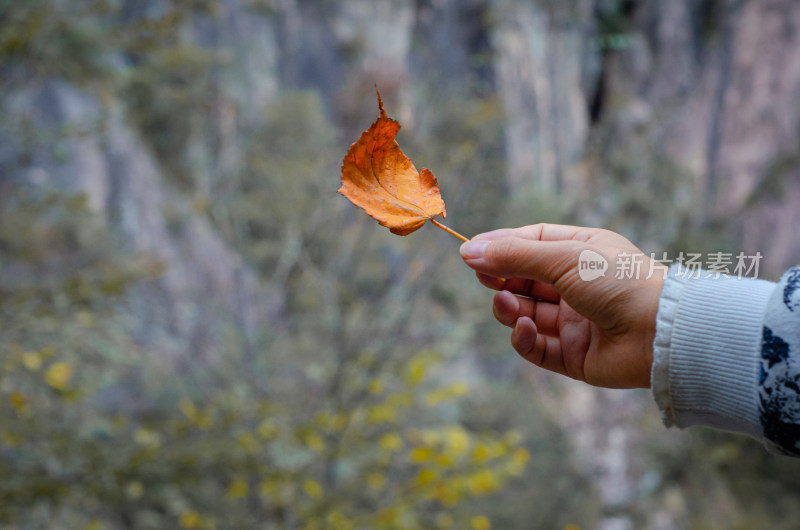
[379, 178]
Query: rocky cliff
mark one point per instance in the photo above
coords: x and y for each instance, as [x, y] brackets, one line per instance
[659, 119]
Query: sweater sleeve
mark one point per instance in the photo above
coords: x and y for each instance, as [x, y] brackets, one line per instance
[779, 366]
[727, 355]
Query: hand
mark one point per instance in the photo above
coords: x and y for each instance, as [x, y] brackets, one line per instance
[599, 331]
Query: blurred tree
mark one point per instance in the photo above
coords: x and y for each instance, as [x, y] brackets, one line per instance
[374, 399]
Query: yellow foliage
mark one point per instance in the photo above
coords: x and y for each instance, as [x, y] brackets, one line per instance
[312, 489]
[521, 456]
[376, 481]
[10, 439]
[444, 460]
[382, 413]
[391, 442]
[387, 516]
[518, 461]
[85, 319]
[58, 375]
[480, 522]
[10, 364]
[32, 361]
[200, 203]
[425, 476]
[456, 440]
[238, 489]
[267, 429]
[248, 442]
[146, 437]
[513, 437]
[488, 450]
[315, 442]
[312, 523]
[420, 454]
[430, 437]
[18, 400]
[459, 389]
[444, 521]
[337, 521]
[447, 494]
[338, 421]
[333, 422]
[135, 490]
[375, 386]
[190, 520]
[201, 419]
[415, 371]
[483, 482]
[433, 398]
[481, 453]
[271, 488]
[322, 419]
[401, 399]
[439, 395]
[189, 410]
[498, 449]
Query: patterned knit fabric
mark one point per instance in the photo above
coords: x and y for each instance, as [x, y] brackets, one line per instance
[779, 367]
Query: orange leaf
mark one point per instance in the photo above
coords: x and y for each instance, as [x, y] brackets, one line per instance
[379, 178]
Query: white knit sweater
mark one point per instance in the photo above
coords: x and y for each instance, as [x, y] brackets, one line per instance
[727, 355]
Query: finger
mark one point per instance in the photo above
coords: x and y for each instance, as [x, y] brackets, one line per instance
[552, 232]
[491, 282]
[532, 289]
[537, 348]
[542, 232]
[508, 309]
[575, 340]
[520, 286]
[512, 257]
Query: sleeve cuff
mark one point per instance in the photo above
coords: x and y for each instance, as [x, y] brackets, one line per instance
[706, 351]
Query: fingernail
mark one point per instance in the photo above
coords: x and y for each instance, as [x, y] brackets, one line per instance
[473, 249]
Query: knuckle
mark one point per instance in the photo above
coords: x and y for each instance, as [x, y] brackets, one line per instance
[537, 228]
[586, 234]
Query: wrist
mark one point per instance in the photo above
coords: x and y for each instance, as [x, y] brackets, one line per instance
[655, 287]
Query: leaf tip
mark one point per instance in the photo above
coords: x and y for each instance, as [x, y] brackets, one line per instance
[380, 103]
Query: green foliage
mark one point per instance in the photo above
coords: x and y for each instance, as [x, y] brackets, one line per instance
[614, 20]
[461, 142]
[290, 168]
[167, 94]
[39, 38]
[95, 432]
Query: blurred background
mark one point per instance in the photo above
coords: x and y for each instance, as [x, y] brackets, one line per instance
[196, 331]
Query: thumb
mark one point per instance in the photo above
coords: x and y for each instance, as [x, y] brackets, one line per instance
[513, 257]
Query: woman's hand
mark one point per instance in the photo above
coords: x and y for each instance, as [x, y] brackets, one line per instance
[597, 330]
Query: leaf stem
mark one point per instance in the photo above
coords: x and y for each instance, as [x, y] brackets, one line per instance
[449, 230]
